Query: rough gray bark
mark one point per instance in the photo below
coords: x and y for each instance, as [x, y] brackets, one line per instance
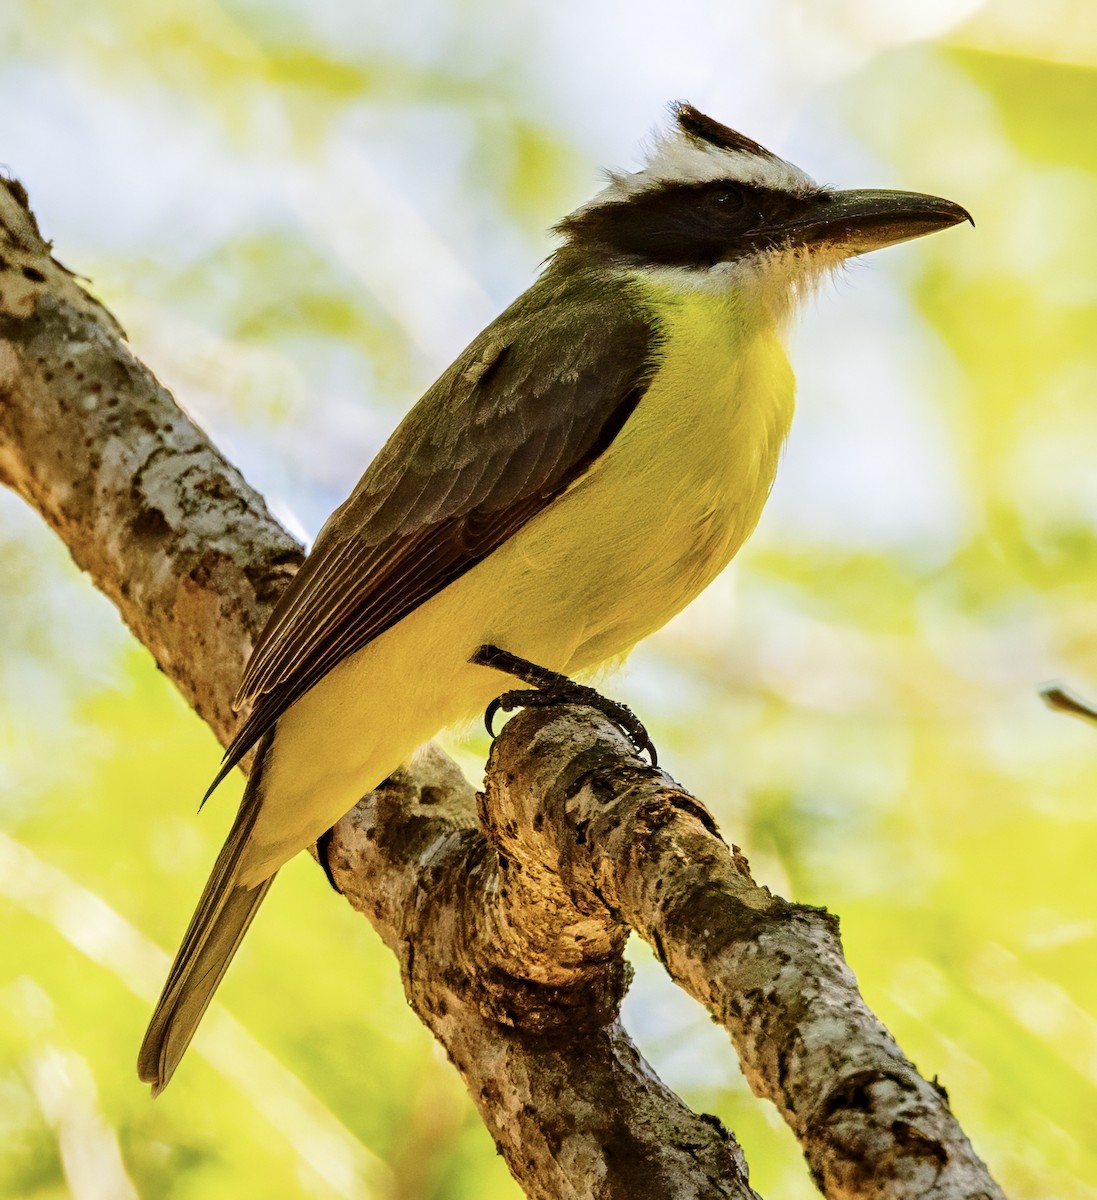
[164, 525]
[508, 913]
[625, 839]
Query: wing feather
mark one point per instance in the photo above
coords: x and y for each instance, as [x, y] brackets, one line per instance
[524, 412]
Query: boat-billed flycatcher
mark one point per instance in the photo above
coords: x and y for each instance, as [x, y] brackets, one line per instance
[581, 472]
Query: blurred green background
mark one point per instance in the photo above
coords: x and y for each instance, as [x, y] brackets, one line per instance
[301, 210]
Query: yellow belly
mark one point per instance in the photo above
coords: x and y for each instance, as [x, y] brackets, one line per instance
[622, 551]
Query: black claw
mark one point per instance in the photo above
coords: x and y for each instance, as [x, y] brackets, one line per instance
[323, 855]
[627, 721]
[550, 687]
[489, 715]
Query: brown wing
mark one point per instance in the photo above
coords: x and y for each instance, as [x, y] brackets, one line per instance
[523, 412]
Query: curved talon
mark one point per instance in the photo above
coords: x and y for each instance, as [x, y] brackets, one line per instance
[634, 730]
[323, 856]
[507, 701]
[620, 714]
[550, 687]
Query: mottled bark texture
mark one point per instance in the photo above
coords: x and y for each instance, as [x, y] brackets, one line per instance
[507, 912]
[164, 525]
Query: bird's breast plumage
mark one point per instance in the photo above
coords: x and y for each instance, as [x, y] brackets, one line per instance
[683, 485]
[622, 550]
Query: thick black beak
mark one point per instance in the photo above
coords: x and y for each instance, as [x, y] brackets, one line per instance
[860, 221]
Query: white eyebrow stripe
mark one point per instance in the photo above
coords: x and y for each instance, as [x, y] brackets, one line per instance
[676, 158]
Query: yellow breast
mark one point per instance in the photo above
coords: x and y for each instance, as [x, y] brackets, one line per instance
[715, 418]
[683, 485]
[627, 547]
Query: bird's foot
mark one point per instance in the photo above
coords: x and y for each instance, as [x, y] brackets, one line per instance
[549, 688]
[323, 857]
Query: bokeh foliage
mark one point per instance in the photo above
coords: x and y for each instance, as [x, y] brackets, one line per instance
[300, 212]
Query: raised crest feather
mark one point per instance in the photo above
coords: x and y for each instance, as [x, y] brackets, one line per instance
[700, 128]
[694, 148]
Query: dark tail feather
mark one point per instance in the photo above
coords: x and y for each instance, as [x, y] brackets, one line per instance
[219, 923]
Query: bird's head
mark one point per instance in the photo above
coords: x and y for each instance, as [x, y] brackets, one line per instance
[712, 208]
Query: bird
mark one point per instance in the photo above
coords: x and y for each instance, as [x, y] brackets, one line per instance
[583, 470]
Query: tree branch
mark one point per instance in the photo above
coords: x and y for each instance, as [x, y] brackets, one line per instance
[627, 840]
[193, 560]
[509, 915]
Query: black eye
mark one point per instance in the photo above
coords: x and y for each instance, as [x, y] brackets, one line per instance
[728, 197]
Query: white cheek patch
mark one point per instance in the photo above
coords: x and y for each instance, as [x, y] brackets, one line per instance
[678, 158]
[778, 280]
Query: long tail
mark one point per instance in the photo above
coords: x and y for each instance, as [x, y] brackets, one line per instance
[219, 923]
